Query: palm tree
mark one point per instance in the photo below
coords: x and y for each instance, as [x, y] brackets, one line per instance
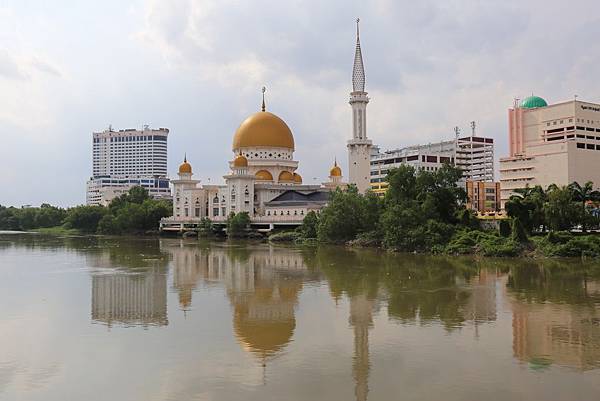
[584, 194]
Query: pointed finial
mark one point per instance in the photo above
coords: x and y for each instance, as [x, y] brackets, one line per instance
[185, 157]
[264, 89]
[335, 162]
[357, 30]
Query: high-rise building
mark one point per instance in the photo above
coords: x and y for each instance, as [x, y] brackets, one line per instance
[551, 144]
[359, 147]
[125, 158]
[473, 154]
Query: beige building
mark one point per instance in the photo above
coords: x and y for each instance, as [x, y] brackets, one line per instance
[483, 196]
[551, 144]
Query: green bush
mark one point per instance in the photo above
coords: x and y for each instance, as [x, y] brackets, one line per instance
[285, 236]
[504, 228]
[237, 224]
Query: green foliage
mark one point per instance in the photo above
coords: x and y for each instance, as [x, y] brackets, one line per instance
[237, 224]
[518, 233]
[28, 218]
[565, 244]
[483, 243]
[310, 225]
[205, 227]
[504, 228]
[85, 218]
[344, 217]
[561, 212]
[285, 236]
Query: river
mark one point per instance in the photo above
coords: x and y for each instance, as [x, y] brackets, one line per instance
[89, 318]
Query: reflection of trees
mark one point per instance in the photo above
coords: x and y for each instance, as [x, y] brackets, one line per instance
[415, 286]
[557, 281]
[556, 313]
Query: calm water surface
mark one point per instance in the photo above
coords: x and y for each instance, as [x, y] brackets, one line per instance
[168, 319]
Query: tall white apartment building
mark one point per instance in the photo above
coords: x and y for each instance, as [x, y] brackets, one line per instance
[125, 158]
[473, 154]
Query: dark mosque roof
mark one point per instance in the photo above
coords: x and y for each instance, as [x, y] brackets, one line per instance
[295, 198]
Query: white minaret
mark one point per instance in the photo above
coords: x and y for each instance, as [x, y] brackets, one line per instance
[359, 147]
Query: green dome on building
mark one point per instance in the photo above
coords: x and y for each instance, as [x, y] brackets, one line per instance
[532, 102]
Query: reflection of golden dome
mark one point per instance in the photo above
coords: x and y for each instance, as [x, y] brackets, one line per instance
[297, 178]
[263, 337]
[185, 167]
[263, 175]
[240, 161]
[263, 129]
[335, 171]
[286, 176]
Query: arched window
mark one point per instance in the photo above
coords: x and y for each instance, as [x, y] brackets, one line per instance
[216, 199]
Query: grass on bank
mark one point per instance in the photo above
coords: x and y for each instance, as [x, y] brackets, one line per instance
[58, 230]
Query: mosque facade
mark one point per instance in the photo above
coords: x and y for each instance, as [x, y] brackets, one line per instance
[263, 178]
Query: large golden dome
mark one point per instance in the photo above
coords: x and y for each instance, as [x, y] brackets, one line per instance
[263, 129]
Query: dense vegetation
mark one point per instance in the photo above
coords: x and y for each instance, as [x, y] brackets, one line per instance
[133, 212]
[425, 211]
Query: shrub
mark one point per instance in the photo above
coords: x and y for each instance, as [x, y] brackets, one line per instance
[504, 228]
[284, 236]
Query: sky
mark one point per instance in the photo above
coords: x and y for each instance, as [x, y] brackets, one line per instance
[70, 68]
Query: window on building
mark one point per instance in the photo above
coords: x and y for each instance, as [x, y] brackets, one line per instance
[197, 212]
[580, 145]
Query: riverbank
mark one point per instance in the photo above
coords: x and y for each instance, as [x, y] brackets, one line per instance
[479, 243]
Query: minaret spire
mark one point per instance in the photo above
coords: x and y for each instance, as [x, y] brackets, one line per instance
[264, 89]
[359, 146]
[185, 157]
[358, 72]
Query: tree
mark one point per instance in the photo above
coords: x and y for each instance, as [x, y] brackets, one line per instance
[237, 224]
[560, 210]
[520, 208]
[85, 218]
[518, 232]
[310, 225]
[205, 227]
[342, 219]
[584, 194]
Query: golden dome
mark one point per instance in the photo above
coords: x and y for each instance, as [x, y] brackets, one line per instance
[297, 178]
[335, 171]
[263, 129]
[240, 161]
[286, 176]
[263, 175]
[185, 167]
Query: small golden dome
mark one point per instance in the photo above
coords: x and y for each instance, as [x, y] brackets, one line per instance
[263, 175]
[185, 167]
[335, 171]
[297, 178]
[263, 129]
[240, 161]
[286, 176]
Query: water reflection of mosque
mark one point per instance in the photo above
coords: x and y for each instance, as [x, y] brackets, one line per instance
[262, 285]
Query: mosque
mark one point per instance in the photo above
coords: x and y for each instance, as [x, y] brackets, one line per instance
[263, 178]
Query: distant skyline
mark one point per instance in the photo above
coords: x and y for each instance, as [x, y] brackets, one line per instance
[70, 68]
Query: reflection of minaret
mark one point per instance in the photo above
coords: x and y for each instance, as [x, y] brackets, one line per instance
[124, 298]
[361, 320]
